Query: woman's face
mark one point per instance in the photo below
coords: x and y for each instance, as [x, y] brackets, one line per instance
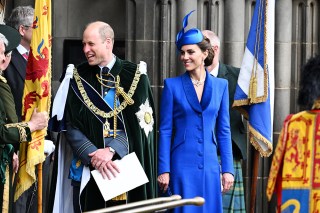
[192, 57]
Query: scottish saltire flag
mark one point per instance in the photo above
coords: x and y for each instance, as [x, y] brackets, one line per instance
[37, 93]
[254, 94]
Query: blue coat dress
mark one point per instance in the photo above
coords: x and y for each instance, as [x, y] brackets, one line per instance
[190, 134]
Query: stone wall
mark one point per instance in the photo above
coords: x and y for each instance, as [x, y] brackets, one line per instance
[146, 29]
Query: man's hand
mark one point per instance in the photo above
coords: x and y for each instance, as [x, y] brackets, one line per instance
[101, 160]
[38, 120]
[15, 162]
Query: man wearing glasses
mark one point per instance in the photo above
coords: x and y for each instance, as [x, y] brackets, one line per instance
[21, 19]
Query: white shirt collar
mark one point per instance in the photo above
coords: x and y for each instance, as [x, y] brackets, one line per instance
[111, 63]
[21, 49]
[215, 71]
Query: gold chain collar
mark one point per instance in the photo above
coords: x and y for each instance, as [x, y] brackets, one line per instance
[122, 106]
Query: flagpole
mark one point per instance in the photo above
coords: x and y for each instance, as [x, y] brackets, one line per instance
[256, 159]
[40, 188]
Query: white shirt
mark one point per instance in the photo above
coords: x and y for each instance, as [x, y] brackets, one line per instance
[112, 62]
[22, 50]
[215, 70]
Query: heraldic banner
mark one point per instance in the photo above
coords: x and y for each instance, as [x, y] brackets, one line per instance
[37, 94]
[254, 95]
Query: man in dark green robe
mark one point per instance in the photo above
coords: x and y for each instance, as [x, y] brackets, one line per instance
[11, 131]
[87, 112]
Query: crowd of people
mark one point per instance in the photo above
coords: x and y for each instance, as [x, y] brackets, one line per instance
[108, 112]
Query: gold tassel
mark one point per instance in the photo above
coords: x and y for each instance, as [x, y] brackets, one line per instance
[120, 91]
[121, 197]
[253, 89]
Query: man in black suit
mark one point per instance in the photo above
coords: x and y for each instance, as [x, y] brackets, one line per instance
[233, 200]
[21, 18]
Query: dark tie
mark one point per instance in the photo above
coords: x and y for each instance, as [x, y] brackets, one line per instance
[109, 79]
[105, 70]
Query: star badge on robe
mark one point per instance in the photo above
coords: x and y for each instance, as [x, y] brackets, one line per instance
[145, 116]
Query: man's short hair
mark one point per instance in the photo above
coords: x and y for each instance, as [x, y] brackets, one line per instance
[21, 15]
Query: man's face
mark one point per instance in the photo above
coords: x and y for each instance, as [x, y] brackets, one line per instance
[7, 60]
[95, 49]
[26, 33]
[2, 56]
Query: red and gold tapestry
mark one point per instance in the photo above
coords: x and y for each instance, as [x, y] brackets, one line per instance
[37, 94]
[295, 169]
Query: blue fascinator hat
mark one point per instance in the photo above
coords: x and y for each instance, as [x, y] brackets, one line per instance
[192, 36]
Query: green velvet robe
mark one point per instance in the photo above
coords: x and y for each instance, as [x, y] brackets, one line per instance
[83, 119]
[11, 132]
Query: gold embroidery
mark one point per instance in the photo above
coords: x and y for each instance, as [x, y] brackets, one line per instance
[3, 79]
[21, 128]
[119, 91]
[120, 197]
[78, 163]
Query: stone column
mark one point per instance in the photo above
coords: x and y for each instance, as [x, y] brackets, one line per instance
[283, 39]
[217, 21]
[282, 62]
[234, 34]
[312, 33]
[183, 8]
[164, 40]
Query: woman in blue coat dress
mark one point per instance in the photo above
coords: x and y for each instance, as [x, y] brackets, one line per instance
[194, 123]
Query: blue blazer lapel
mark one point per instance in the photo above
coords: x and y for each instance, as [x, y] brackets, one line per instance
[207, 91]
[190, 92]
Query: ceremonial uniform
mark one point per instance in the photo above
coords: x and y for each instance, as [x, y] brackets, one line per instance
[15, 75]
[11, 132]
[294, 173]
[91, 123]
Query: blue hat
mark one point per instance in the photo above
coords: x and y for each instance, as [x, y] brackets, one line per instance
[192, 36]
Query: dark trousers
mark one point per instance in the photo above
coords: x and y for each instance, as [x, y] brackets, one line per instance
[76, 206]
[28, 201]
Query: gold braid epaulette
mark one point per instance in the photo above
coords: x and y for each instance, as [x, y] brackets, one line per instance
[117, 110]
[3, 79]
[21, 128]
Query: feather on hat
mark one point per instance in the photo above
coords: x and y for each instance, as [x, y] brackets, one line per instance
[192, 36]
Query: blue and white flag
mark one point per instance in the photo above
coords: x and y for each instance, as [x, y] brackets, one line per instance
[254, 94]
